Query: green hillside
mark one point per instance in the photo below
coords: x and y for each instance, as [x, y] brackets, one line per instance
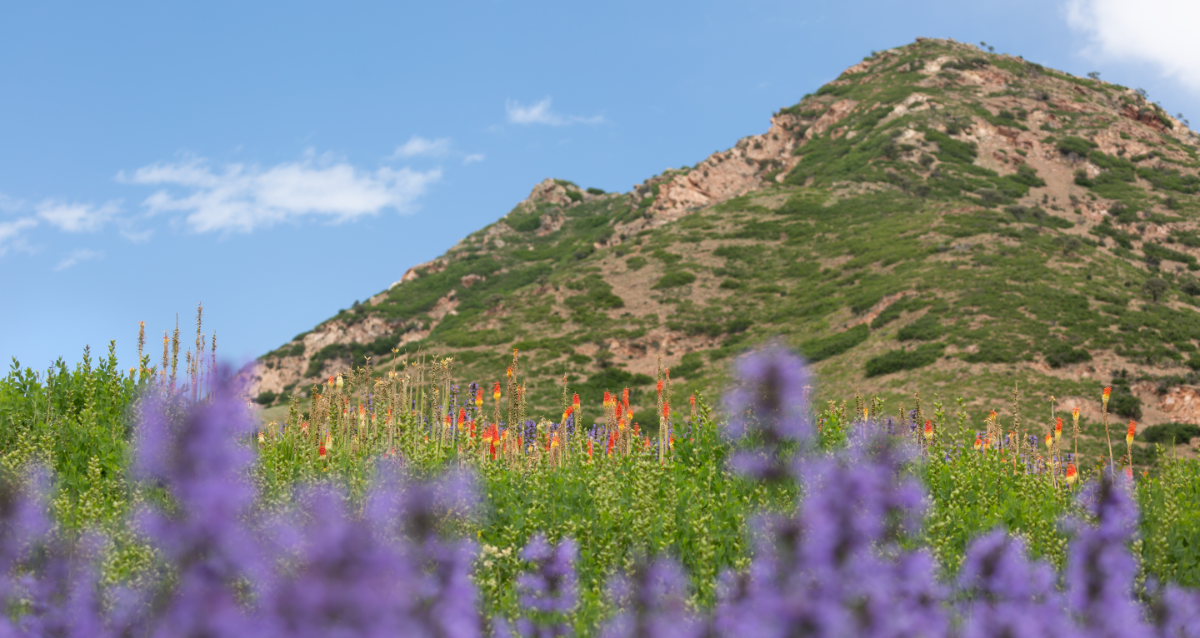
[937, 219]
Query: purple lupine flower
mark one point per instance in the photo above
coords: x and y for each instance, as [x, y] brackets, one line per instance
[770, 396]
[550, 591]
[1100, 570]
[769, 400]
[652, 603]
[199, 456]
[1009, 594]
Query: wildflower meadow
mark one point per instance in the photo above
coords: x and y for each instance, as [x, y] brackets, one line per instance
[402, 501]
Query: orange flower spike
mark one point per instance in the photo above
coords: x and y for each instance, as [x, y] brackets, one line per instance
[660, 387]
[625, 397]
[978, 442]
[496, 391]
[1104, 397]
[1049, 440]
[928, 430]
[607, 398]
[1071, 474]
[1075, 414]
[321, 452]
[509, 372]
[692, 399]
[1129, 472]
[479, 397]
[589, 449]
[566, 414]
[1058, 428]
[666, 412]
[575, 402]
[1132, 431]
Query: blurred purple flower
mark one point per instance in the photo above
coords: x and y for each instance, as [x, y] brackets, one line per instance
[770, 396]
[652, 603]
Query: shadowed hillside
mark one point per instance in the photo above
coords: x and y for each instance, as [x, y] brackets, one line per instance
[937, 218]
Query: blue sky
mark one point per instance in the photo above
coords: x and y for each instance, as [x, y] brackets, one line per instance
[278, 161]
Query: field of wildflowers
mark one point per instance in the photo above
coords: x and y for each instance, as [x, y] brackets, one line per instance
[403, 503]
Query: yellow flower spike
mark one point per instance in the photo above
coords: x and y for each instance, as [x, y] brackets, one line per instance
[339, 382]
[1075, 415]
[1071, 474]
[1049, 440]
[1104, 397]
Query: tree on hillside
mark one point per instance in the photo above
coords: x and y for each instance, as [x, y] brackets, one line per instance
[1155, 287]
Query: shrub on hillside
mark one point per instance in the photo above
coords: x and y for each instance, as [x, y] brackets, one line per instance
[1061, 354]
[899, 360]
[1170, 433]
[265, 398]
[1126, 405]
[926, 328]
[675, 279]
[833, 345]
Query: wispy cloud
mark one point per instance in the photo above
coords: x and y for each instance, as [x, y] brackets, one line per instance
[1160, 32]
[76, 218]
[419, 146]
[76, 256]
[541, 113]
[472, 158]
[241, 197]
[11, 233]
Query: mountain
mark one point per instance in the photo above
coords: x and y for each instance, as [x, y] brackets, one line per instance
[937, 218]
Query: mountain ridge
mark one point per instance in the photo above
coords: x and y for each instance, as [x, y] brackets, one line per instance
[934, 213]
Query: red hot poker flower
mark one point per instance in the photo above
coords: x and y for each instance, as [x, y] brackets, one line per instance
[1132, 431]
[496, 391]
[1058, 428]
[928, 430]
[479, 397]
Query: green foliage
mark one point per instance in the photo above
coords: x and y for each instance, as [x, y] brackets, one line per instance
[1170, 433]
[675, 279]
[1170, 179]
[835, 344]
[1076, 145]
[636, 262]
[974, 493]
[1170, 522]
[1125, 404]
[927, 328]
[899, 360]
[950, 149]
[265, 398]
[1061, 354]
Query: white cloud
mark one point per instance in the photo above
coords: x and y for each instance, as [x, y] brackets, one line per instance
[472, 158]
[1161, 32]
[10, 233]
[540, 113]
[75, 218]
[421, 146]
[77, 256]
[245, 197]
